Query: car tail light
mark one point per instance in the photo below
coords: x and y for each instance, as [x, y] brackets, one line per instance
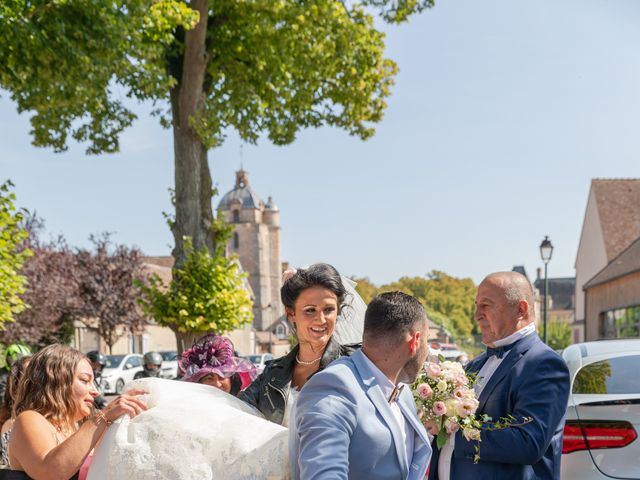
[593, 434]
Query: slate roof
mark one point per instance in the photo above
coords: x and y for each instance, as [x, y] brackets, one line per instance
[561, 291]
[627, 262]
[618, 203]
[242, 192]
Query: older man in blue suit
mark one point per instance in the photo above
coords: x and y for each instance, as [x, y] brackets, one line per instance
[518, 375]
[354, 419]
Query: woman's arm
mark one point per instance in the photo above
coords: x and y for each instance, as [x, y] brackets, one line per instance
[33, 446]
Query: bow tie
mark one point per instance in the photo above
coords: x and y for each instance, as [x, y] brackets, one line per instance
[499, 352]
[395, 393]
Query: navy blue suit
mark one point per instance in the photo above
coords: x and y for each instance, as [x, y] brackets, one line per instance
[532, 381]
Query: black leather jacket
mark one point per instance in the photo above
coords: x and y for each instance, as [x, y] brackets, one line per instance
[269, 392]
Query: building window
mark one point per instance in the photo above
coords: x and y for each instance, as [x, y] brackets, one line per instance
[236, 216]
[281, 331]
[620, 322]
[236, 240]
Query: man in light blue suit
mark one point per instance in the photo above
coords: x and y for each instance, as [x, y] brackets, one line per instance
[356, 419]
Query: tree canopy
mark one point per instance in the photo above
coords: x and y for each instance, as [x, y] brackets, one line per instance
[109, 279]
[449, 300]
[12, 255]
[261, 67]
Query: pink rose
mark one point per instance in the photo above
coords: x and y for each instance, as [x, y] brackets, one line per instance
[439, 409]
[424, 390]
[462, 392]
[433, 370]
[467, 407]
[451, 425]
[461, 379]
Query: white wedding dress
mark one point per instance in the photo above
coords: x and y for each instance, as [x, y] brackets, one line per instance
[191, 431]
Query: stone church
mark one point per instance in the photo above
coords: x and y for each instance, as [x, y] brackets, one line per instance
[256, 242]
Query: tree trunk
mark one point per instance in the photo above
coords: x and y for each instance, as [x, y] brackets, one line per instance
[193, 187]
[184, 340]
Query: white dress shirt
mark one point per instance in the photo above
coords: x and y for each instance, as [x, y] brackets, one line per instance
[485, 373]
[387, 388]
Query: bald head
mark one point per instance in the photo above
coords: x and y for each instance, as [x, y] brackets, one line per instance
[504, 305]
[515, 288]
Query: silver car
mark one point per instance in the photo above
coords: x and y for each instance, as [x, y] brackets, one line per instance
[603, 415]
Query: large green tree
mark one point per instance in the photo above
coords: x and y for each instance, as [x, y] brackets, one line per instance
[261, 67]
[12, 255]
[450, 296]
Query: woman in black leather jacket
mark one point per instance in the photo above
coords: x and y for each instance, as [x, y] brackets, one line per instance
[313, 299]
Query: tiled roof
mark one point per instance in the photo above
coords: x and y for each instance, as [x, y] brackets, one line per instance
[561, 291]
[166, 261]
[627, 262]
[618, 202]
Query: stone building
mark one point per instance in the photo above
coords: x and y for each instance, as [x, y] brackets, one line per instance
[256, 241]
[605, 259]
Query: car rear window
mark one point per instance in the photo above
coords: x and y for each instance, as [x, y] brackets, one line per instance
[615, 375]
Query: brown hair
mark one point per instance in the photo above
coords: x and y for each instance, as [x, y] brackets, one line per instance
[15, 374]
[46, 386]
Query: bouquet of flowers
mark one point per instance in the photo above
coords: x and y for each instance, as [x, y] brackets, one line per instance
[445, 397]
[447, 403]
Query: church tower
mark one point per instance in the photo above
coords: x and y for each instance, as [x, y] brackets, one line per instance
[256, 241]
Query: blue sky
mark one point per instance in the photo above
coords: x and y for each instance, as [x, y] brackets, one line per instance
[502, 113]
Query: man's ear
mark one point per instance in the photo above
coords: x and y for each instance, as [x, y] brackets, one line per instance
[523, 310]
[291, 314]
[414, 342]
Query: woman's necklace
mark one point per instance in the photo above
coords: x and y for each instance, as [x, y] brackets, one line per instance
[302, 362]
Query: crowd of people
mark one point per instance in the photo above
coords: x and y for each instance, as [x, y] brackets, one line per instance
[348, 413]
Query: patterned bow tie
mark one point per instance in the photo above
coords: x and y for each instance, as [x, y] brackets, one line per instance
[499, 352]
[395, 393]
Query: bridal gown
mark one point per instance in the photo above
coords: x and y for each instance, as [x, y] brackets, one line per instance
[191, 431]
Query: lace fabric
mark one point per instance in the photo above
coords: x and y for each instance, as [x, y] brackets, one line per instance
[192, 431]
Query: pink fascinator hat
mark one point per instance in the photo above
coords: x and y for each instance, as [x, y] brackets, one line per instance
[214, 354]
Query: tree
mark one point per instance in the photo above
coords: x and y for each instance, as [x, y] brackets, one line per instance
[558, 334]
[365, 288]
[207, 294]
[12, 256]
[260, 66]
[52, 292]
[108, 283]
[449, 296]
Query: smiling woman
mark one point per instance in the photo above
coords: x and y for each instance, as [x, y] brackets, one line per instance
[55, 426]
[316, 301]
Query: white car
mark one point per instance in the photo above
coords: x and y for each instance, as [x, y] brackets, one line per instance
[169, 365]
[119, 370]
[603, 415]
[259, 360]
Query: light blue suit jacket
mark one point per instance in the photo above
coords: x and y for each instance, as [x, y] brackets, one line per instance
[344, 428]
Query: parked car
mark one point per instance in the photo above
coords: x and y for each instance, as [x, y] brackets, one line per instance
[603, 414]
[449, 351]
[119, 370]
[169, 364]
[259, 360]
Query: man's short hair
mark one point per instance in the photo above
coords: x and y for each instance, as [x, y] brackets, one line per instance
[391, 315]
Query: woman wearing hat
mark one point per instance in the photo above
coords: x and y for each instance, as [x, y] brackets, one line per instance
[210, 361]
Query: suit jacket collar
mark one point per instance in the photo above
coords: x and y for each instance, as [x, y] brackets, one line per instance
[374, 392]
[516, 353]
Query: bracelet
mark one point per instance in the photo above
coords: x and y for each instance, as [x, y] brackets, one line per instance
[99, 417]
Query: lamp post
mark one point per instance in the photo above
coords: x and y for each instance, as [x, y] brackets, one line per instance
[546, 250]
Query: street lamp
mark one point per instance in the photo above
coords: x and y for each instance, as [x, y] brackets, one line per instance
[546, 250]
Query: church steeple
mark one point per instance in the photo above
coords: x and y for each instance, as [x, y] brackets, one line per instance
[242, 178]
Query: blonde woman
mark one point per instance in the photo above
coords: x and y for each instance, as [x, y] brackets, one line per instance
[55, 424]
